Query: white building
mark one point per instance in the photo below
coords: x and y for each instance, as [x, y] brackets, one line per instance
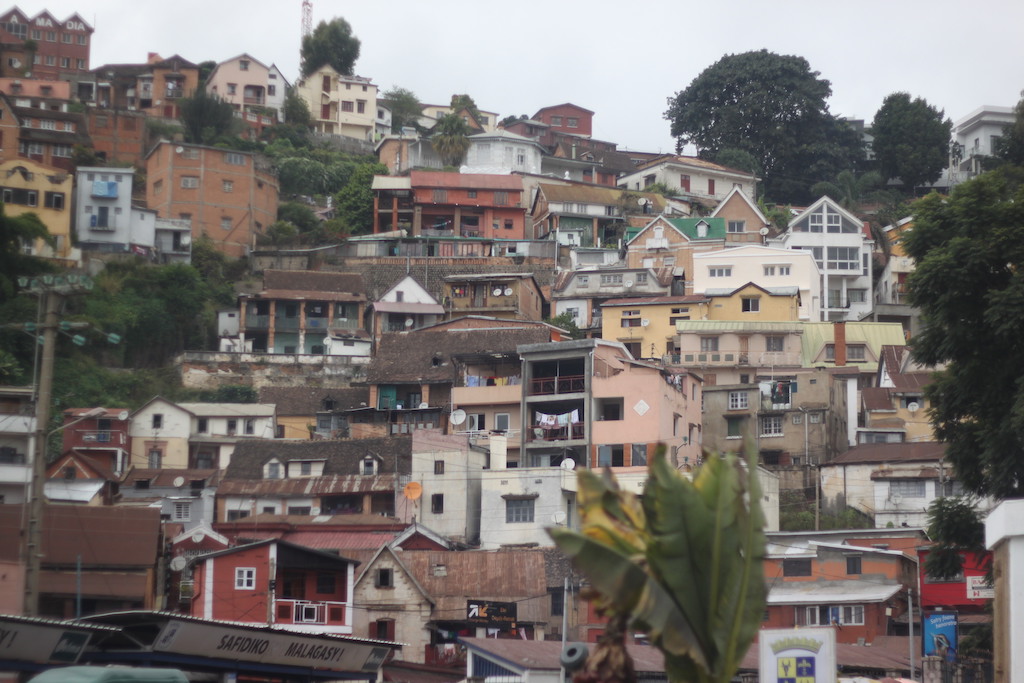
[774, 269]
[501, 152]
[691, 176]
[841, 244]
[340, 104]
[104, 218]
[448, 469]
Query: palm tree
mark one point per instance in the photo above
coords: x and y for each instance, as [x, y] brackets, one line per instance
[683, 565]
[450, 139]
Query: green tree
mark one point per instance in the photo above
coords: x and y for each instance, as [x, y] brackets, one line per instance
[206, 67]
[450, 139]
[464, 102]
[739, 159]
[1010, 147]
[773, 107]
[852, 190]
[299, 215]
[968, 284]
[406, 108]
[911, 140]
[566, 322]
[682, 563]
[207, 118]
[331, 43]
[354, 203]
[15, 232]
[296, 109]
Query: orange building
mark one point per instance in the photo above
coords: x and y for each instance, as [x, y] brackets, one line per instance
[155, 87]
[118, 135]
[229, 196]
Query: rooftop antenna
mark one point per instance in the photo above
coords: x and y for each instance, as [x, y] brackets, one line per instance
[307, 18]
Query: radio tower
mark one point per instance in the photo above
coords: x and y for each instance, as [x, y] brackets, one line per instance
[307, 17]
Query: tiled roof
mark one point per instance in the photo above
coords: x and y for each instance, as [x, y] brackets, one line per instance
[309, 400]
[873, 453]
[341, 458]
[469, 181]
[229, 409]
[595, 194]
[876, 398]
[283, 283]
[695, 162]
[425, 356]
[167, 477]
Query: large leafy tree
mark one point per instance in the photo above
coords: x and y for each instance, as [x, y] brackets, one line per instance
[774, 107]
[1010, 147]
[15, 232]
[207, 118]
[354, 202]
[406, 108]
[450, 139]
[969, 286]
[911, 140]
[333, 43]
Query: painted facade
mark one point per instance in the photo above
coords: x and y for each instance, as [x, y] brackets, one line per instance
[249, 85]
[690, 176]
[340, 104]
[30, 187]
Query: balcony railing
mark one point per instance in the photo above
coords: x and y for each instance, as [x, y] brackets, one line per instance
[565, 384]
[283, 323]
[726, 358]
[309, 612]
[316, 323]
[564, 432]
[257, 322]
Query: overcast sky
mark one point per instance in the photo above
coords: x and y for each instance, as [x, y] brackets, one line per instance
[620, 59]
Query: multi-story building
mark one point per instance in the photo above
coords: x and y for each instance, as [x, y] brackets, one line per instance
[17, 442]
[582, 293]
[104, 438]
[104, 219]
[486, 121]
[514, 296]
[30, 187]
[788, 283]
[585, 215]
[502, 152]
[303, 312]
[185, 497]
[976, 136]
[155, 88]
[229, 196]
[668, 242]
[48, 132]
[891, 302]
[567, 118]
[646, 325]
[691, 177]
[896, 409]
[118, 136]
[249, 85]
[842, 246]
[59, 49]
[340, 104]
[438, 203]
[744, 220]
[405, 306]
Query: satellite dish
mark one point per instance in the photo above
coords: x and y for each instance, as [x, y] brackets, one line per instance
[424, 405]
[762, 232]
[628, 284]
[179, 482]
[413, 490]
[179, 149]
[409, 322]
[123, 415]
[643, 201]
[896, 498]
[458, 417]
[508, 291]
[568, 464]
[644, 322]
[557, 518]
[198, 537]
[497, 291]
[913, 406]
[178, 563]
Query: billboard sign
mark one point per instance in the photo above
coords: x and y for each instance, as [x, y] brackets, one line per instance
[500, 615]
[939, 635]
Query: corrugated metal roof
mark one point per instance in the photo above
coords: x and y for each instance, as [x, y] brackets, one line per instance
[406, 307]
[391, 182]
[722, 326]
[872, 335]
[872, 453]
[470, 181]
[229, 409]
[815, 592]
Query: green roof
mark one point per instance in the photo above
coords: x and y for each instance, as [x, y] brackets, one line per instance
[872, 335]
[688, 226]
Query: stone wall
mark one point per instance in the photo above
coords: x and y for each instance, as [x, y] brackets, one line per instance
[211, 370]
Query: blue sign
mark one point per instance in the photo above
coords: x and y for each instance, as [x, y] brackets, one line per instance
[939, 635]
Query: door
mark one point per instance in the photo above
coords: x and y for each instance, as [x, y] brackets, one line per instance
[102, 216]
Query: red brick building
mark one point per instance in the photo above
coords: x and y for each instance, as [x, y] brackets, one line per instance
[450, 204]
[62, 46]
[229, 196]
[275, 582]
[118, 135]
[567, 118]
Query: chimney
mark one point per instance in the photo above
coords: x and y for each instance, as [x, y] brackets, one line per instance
[839, 339]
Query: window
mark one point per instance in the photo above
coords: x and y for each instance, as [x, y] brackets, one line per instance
[638, 455]
[250, 426]
[66, 38]
[243, 65]
[798, 418]
[843, 258]
[245, 578]
[189, 182]
[202, 425]
[738, 400]
[348, 105]
[906, 488]
[225, 223]
[501, 422]
[48, 124]
[572, 122]
[65, 62]
[158, 421]
[751, 304]
[326, 583]
[613, 279]
[610, 456]
[385, 578]
[299, 510]
[519, 510]
[234, 158]
[228, 186]
[235, 515]
[232, 88]
[774, 343]
[556, 120]
[736, 226]
[720, 271]
[271, 89]
[274, 470]
[472, 193]
[708, 344]
[80, 63]
[796, 566]
[501, 198]
[51, 36]
[439, 467]
[769, 271]
[853, 564]
[814, 418]
[711, 186]
[440, 196]
[360, 106]
[368, 466]
[54, 200]
[733, 427]
[182, 512]
[856, 352]
[828, 615]
[305, 468]
[437, 503]
[190, 153]
[771, 425]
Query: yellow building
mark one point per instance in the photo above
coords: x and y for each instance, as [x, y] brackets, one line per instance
[30, 187]
[647, 325]
[753, 302]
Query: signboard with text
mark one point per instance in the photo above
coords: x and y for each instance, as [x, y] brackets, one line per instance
[979, 589]
[939, 635]
[47, 643]
[500, 615]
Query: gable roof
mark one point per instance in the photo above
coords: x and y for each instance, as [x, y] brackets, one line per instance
[564, 105]
[835, 206]
[875, 453]
[425, 356]
[693, 162]
[313, 558]
[737, 195]
[873, 335]
[341, 458]
[307, 400]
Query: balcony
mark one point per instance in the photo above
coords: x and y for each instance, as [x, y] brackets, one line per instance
[99, 437]
[567, 432]
[308, 612]
[257, 322]
[284, 323]
[564, 384]
[733, 358]
[316, 323]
